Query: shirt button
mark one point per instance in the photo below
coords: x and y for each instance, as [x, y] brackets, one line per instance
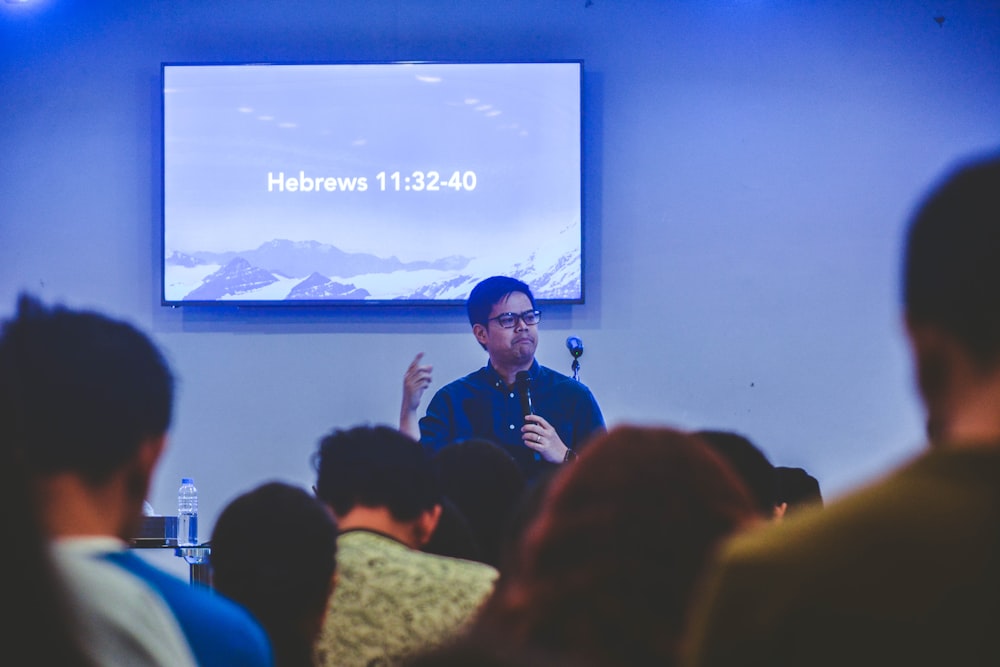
[511, 427]
[512, 394]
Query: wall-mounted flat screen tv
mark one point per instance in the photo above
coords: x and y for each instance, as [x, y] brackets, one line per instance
[382, 183]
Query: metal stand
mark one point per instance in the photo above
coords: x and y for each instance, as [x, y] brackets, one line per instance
[160, 532]
[200, 561]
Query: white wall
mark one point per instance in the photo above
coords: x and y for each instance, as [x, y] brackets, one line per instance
[750, 168]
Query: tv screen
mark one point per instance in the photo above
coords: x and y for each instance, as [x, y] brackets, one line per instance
[379, 183]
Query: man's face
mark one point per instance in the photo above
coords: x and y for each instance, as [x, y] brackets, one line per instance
[514, 347]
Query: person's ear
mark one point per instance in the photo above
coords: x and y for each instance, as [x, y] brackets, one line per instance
[427, 524]
[144, 464]
[479, 331]
[135, 478]
[779, 512]
[151, 450]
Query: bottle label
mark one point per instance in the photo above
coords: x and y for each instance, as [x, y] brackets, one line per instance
[187, 530]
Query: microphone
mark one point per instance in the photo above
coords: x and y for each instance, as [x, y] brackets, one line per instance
[523, 381]
[575, 346]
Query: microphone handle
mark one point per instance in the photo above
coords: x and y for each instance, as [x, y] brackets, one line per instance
[527, 408]
[526, 405]
[523, 382]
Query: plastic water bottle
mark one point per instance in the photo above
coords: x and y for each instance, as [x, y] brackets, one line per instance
[187, 514]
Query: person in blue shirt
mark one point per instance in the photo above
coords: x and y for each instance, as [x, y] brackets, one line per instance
[489, 403]
[86, 403]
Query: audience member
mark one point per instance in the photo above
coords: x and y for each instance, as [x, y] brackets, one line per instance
[605, 572]
[392, 600]
[751, 464]
[87, 401]
[486, 484]
[907, 570]
[527, 508]
[453, 537]
[797, 490]
[34, 601]
[274, 552]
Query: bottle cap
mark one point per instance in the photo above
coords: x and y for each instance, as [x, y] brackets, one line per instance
[187, 480]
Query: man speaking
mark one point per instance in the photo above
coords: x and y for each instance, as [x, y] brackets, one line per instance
[538, 415]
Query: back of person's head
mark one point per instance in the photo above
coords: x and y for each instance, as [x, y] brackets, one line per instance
[79, 392]
[750, 463]
[491, 291]
[607, 569]
[796, 489]
[485, 484]
[526, 510]
[952, 261]
[375, 466]
[274, 552]
[452, 535]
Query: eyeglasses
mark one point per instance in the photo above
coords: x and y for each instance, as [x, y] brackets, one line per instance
[508, 320]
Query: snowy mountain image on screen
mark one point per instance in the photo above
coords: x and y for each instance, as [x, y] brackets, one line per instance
[319, 288]
[283, 270]
[235, 278]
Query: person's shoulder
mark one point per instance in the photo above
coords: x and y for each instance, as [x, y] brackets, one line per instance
[87, 565]
[231, 626]
[369, 547]
[460, 569]
[368, 550]
[392, 601]
[908, 505]
[377, 571]
[550, 374]
[460, 584]
[235, 630]
[940, 496]
[561, 381]
[221, 609]
[476, 380]
[123, 620]
[893, 549]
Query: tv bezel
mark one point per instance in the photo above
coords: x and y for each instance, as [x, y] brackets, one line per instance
[358, 304]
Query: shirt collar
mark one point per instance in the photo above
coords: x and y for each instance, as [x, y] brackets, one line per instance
[89, 544]
[498, 382]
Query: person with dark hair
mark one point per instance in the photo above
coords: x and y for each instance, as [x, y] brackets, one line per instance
[906, 570]
[492, 402]
[453, 536]
[85, 402]
[751, 464]
[607, 569]
[486, 484]
[35, 601]
[274, 551]
[797, 490]
[392, 600]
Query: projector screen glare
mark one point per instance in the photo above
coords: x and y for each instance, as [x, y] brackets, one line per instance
[376, 183]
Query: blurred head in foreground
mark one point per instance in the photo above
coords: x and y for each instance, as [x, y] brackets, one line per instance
[607, 568]
[274, 551]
